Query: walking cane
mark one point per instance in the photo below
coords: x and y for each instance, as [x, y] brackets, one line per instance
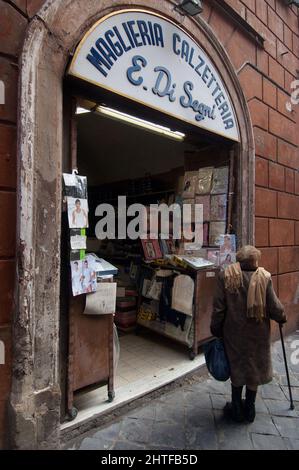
[286, 366]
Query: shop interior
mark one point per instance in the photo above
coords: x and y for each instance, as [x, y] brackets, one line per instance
[152, 159]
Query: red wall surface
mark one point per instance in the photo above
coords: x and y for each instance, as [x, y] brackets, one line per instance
[265, 75]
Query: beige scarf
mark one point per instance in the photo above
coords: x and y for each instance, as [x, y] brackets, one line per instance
[256, 296]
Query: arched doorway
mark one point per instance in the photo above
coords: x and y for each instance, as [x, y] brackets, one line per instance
[52, 36]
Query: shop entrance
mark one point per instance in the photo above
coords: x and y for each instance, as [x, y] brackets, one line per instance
[43, 156]
[150, 159]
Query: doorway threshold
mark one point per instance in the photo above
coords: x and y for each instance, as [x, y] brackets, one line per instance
[155, 366]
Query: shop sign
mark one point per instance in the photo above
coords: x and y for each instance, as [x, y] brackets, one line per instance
[151, 60]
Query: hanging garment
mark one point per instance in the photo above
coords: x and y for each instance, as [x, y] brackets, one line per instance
[182, 294]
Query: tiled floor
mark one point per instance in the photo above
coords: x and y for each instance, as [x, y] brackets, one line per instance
[145, 356]
[146, 362]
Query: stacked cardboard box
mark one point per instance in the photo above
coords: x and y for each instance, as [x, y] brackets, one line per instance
[126, 310]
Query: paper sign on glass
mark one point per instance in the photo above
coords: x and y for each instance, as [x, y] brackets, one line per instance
[78, 242]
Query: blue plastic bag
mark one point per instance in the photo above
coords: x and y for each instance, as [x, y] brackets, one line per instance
[216, 360]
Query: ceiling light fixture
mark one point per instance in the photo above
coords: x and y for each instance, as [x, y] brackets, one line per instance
[81, 110]
[135, 121]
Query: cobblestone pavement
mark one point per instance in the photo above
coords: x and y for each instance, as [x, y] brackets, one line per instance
[190, 417]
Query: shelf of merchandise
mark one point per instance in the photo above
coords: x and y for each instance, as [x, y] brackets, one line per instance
[205, 280]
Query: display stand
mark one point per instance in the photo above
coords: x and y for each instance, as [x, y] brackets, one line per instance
[90, 352]
[205, 281]
[90, 359]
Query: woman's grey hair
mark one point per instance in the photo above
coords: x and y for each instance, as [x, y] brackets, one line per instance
[248, 254]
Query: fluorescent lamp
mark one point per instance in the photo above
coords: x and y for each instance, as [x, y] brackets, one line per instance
[81, 110]
[135, 121]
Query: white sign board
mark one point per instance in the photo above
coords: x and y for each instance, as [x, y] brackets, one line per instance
[149, 59]
[103, 301]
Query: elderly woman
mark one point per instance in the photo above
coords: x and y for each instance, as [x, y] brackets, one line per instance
[244, 303]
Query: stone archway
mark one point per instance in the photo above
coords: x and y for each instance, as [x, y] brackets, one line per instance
[52, 35]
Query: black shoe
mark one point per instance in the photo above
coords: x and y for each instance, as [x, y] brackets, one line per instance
[234, 410]
[233, 413]
[249, 405]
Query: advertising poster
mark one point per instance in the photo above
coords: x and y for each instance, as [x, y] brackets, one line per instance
[77, 212]
[84, 278]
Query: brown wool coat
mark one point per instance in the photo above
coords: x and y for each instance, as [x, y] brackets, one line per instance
[247, 342]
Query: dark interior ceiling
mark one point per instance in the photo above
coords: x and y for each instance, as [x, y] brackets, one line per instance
[110, 150]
